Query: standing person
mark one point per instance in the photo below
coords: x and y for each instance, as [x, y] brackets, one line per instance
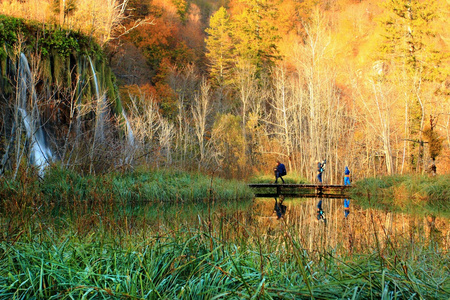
[346, 176]
[346, 207]
[280, 208]
[320, 211]
[280, 171]
[320, 169]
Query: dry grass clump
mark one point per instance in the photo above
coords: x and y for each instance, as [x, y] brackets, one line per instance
[99, 18]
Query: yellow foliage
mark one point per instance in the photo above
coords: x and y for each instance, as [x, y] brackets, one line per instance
[98, 18]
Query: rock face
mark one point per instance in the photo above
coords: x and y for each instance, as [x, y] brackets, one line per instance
[58, 98]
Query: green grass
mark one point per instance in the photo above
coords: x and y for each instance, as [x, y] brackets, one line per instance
[68, 237]
[409, 193]
[290, 178]
[61, 184]
[195, 264]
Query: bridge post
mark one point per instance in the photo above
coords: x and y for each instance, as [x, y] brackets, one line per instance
[278, 190]
[319, 190]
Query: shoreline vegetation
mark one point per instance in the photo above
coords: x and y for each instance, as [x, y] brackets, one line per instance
[61, 185]
[412, 194]
[61, 240]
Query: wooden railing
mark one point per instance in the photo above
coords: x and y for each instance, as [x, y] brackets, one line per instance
[271, 190]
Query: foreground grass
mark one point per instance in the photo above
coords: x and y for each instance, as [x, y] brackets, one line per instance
[196, 264]
[72, 237]
[410, 193]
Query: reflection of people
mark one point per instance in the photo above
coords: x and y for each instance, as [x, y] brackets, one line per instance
[280, 171]
[320, 213]
[346, 207]
[320, 169]
[346, 176]
[279, 208]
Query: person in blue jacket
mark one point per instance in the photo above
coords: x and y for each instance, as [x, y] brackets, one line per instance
[280, 171]
[346, 207]
[346, 176]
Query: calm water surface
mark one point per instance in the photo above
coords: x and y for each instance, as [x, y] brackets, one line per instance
[361, 231]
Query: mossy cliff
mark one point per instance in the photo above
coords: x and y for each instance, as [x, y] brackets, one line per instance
[63, 84]
[62, 55]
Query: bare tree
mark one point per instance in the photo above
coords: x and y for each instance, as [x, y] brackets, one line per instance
[200, 113]
[246, 86]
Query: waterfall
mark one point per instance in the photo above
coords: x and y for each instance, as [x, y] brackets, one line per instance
[101, 106]
[130, 135]
[40, 153]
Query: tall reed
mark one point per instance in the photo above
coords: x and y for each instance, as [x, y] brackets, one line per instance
[418, 194]
[210, 250]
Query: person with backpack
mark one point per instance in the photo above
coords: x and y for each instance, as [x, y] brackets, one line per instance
[320, 169]
[280, 208]
[280, 171]
[320, 213]
[346, 176]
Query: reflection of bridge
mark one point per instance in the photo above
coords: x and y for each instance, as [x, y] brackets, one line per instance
[264, 190]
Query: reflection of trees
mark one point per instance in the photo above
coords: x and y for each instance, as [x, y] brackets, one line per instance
[364, 231]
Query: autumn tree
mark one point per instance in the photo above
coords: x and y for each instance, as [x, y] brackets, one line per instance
[219, 45]
[255, 33]
[434, 142]
[413, 63]
[227, 142]
[319, 111]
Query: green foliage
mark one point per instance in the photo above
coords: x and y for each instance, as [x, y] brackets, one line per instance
[410, 39]
[9, 27]
[60, 40]
[182, 9]
[69, 6]
[45, 39]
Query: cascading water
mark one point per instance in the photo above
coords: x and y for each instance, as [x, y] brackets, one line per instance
[130, 135]
[40, 153]
[101, 106]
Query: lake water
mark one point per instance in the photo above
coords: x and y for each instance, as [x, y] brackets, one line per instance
[363, 231]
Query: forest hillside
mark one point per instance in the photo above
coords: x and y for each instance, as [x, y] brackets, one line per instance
[230, 87]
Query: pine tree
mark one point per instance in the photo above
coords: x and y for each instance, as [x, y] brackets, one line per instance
[255, 33]
[408, 32]
[220, 47]
[414, 62]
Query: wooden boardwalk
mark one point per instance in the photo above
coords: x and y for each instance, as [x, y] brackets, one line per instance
[272, 190]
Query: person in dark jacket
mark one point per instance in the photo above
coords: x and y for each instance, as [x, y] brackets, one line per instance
[279, 208]
[320, 169]
[346, 176]
[320, 213]
[280, 171]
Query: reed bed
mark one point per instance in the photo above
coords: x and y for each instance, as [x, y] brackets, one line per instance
[62, 185]
[416, 194]
[208, 250]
